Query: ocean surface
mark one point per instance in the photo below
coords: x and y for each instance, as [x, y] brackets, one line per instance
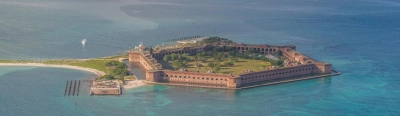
[359, 37]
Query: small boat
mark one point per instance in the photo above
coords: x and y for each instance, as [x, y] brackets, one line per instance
[84, 41]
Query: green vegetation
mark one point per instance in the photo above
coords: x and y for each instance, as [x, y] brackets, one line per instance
[216, 39]
[7, 61]
[238, 68]
[177, 60]
[119, 70]
[212, 39]
[97, 64]
[279, 53]
[217, 67]
[108, 77]
[256, 56]
[112, 63]
[130, 78]
[109, 65]
[178, 64]
[219, 61]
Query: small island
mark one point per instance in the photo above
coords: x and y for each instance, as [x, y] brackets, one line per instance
[197, 61]
[221, 63]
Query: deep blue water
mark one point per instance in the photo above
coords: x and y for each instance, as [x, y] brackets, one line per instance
[359, 37]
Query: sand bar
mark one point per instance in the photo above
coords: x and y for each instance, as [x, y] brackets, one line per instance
[97, 72]
[129, 84]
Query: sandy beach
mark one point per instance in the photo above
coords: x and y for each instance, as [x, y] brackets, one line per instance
[133, 84]
[129, 84]
[97, 72]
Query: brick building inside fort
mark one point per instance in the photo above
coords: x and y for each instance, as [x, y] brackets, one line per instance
[297, 65]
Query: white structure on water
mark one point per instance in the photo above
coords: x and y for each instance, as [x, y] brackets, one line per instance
[84, 41]
[138, 47]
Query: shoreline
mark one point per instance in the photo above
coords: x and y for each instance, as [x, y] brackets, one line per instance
[252, 86]
[131, 84]
[94, 71]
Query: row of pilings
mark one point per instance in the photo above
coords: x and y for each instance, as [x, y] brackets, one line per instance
[184, 38]
[72, 88]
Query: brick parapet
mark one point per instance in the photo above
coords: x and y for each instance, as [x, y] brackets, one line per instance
[169, 76]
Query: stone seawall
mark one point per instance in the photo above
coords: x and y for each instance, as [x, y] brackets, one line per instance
[188, 77]
[168, 76]
[252, 85]
[306, 66]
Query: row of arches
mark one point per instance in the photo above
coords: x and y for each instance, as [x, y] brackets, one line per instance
[198, 78]
[270, 50]
[190, 51]
[275, 75]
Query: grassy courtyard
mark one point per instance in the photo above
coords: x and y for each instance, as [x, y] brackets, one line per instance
[238, 67]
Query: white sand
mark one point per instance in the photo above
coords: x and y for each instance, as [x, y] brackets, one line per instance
[133, 84]
[99, 73]
[129, 84]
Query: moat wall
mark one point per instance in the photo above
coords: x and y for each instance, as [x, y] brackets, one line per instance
[154, 74]
[190, 77]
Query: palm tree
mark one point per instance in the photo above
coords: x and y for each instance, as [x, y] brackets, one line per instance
[195, 62]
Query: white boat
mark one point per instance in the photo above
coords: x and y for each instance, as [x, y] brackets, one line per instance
[84, 41]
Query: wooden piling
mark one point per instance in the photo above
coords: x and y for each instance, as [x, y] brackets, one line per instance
[73, 92]
[66, 87]
[70, 85]
[79, 84]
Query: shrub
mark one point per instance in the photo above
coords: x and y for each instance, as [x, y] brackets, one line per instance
[112, 63]
[107, 77]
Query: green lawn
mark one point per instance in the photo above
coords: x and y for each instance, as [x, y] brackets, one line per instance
[95, 63]
[98, 64]
[7, 61]
[130, 78]
[238, 68]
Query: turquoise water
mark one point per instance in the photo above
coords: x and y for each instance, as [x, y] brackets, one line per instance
[359, 38]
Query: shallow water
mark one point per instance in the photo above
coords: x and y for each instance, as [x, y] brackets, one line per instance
[358, 37]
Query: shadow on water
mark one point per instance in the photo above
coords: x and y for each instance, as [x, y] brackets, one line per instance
[180, 91]
[320, 80]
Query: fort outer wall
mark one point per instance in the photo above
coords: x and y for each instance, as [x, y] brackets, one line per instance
[160, 76]
[317, 68]
[169, 76]
[136, 56]
[153, 75]
[188, 50]
[264, 49]
[163, 76]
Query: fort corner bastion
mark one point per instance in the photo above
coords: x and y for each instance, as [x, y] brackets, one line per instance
[297, 67]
